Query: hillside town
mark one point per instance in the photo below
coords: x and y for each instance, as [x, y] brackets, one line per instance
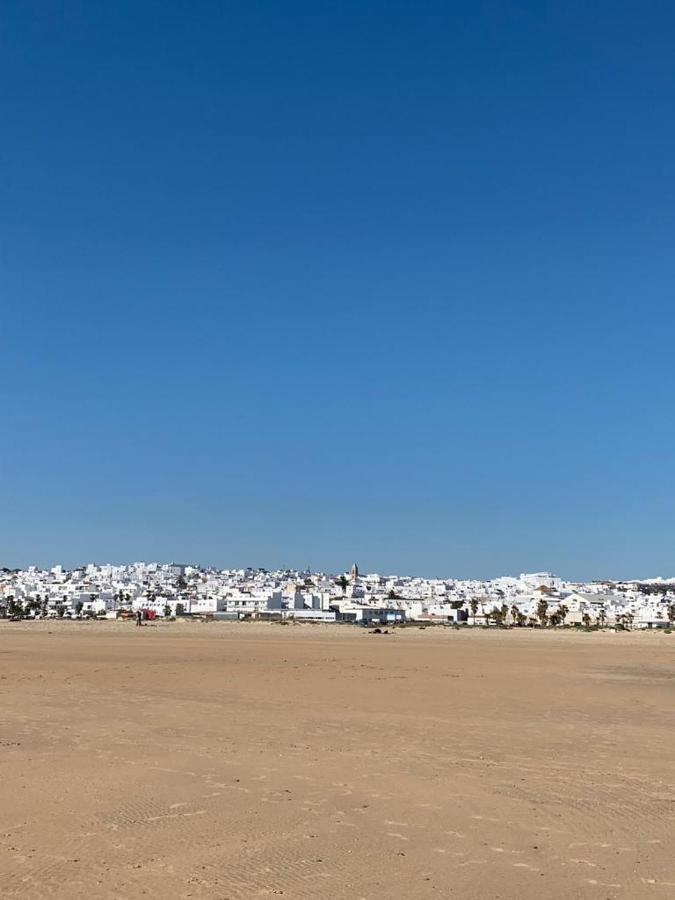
[151, 591]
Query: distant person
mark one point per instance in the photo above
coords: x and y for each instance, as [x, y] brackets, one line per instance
[139, 618]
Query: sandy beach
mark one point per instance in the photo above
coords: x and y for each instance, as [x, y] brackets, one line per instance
[241, 760]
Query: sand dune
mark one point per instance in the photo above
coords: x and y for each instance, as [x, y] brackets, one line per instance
[243, 760]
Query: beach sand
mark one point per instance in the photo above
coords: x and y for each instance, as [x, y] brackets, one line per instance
[235, 760]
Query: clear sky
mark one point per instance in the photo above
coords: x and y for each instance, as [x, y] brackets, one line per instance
[306, 282]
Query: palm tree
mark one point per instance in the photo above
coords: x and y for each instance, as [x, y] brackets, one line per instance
[497, 616]
[514, 613]
[473, 603]
[602, 617]
[542, 611]
[562, 612]
[586, 619]
[14, 608]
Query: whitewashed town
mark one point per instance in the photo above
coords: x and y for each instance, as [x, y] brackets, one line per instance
[153, 591]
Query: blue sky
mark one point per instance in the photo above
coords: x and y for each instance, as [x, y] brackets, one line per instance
[307, 283]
